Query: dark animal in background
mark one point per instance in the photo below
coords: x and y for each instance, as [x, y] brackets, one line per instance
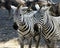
[55, 9]
[7, 4]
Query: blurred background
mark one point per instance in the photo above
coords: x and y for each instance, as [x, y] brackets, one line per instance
[9, 36]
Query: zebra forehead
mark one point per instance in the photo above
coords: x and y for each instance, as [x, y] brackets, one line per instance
[30, 14]
[44, 8]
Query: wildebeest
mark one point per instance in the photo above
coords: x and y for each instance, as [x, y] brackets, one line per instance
[8, 3]
[55, 9]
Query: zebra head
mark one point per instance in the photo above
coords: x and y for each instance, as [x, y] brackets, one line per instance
[18, 16]
[19, 13]
[41, 14]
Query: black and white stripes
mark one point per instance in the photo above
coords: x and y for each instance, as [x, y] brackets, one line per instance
[34, 23]
[48, 25]
[24, 22]
[43, 17]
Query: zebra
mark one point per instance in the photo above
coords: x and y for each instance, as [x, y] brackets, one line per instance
[26, 26]
[49, 28]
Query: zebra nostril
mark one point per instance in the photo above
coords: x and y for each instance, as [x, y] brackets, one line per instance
[15, 26]
[35, 27]
[20, 14]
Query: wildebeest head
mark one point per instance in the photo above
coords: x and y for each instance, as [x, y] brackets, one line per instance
[55, 9]
[7, 4]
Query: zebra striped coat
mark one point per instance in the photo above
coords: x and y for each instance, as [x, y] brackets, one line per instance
[49, 29]
[44, 19]
[26, 25]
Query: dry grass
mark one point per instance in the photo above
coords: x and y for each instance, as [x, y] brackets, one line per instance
[10, 44]
[14, 44]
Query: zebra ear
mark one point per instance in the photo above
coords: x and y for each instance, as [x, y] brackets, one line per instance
[37, 7]
[13, 8]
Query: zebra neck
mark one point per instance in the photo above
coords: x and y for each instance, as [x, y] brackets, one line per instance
[24, 29]
[48, 30]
